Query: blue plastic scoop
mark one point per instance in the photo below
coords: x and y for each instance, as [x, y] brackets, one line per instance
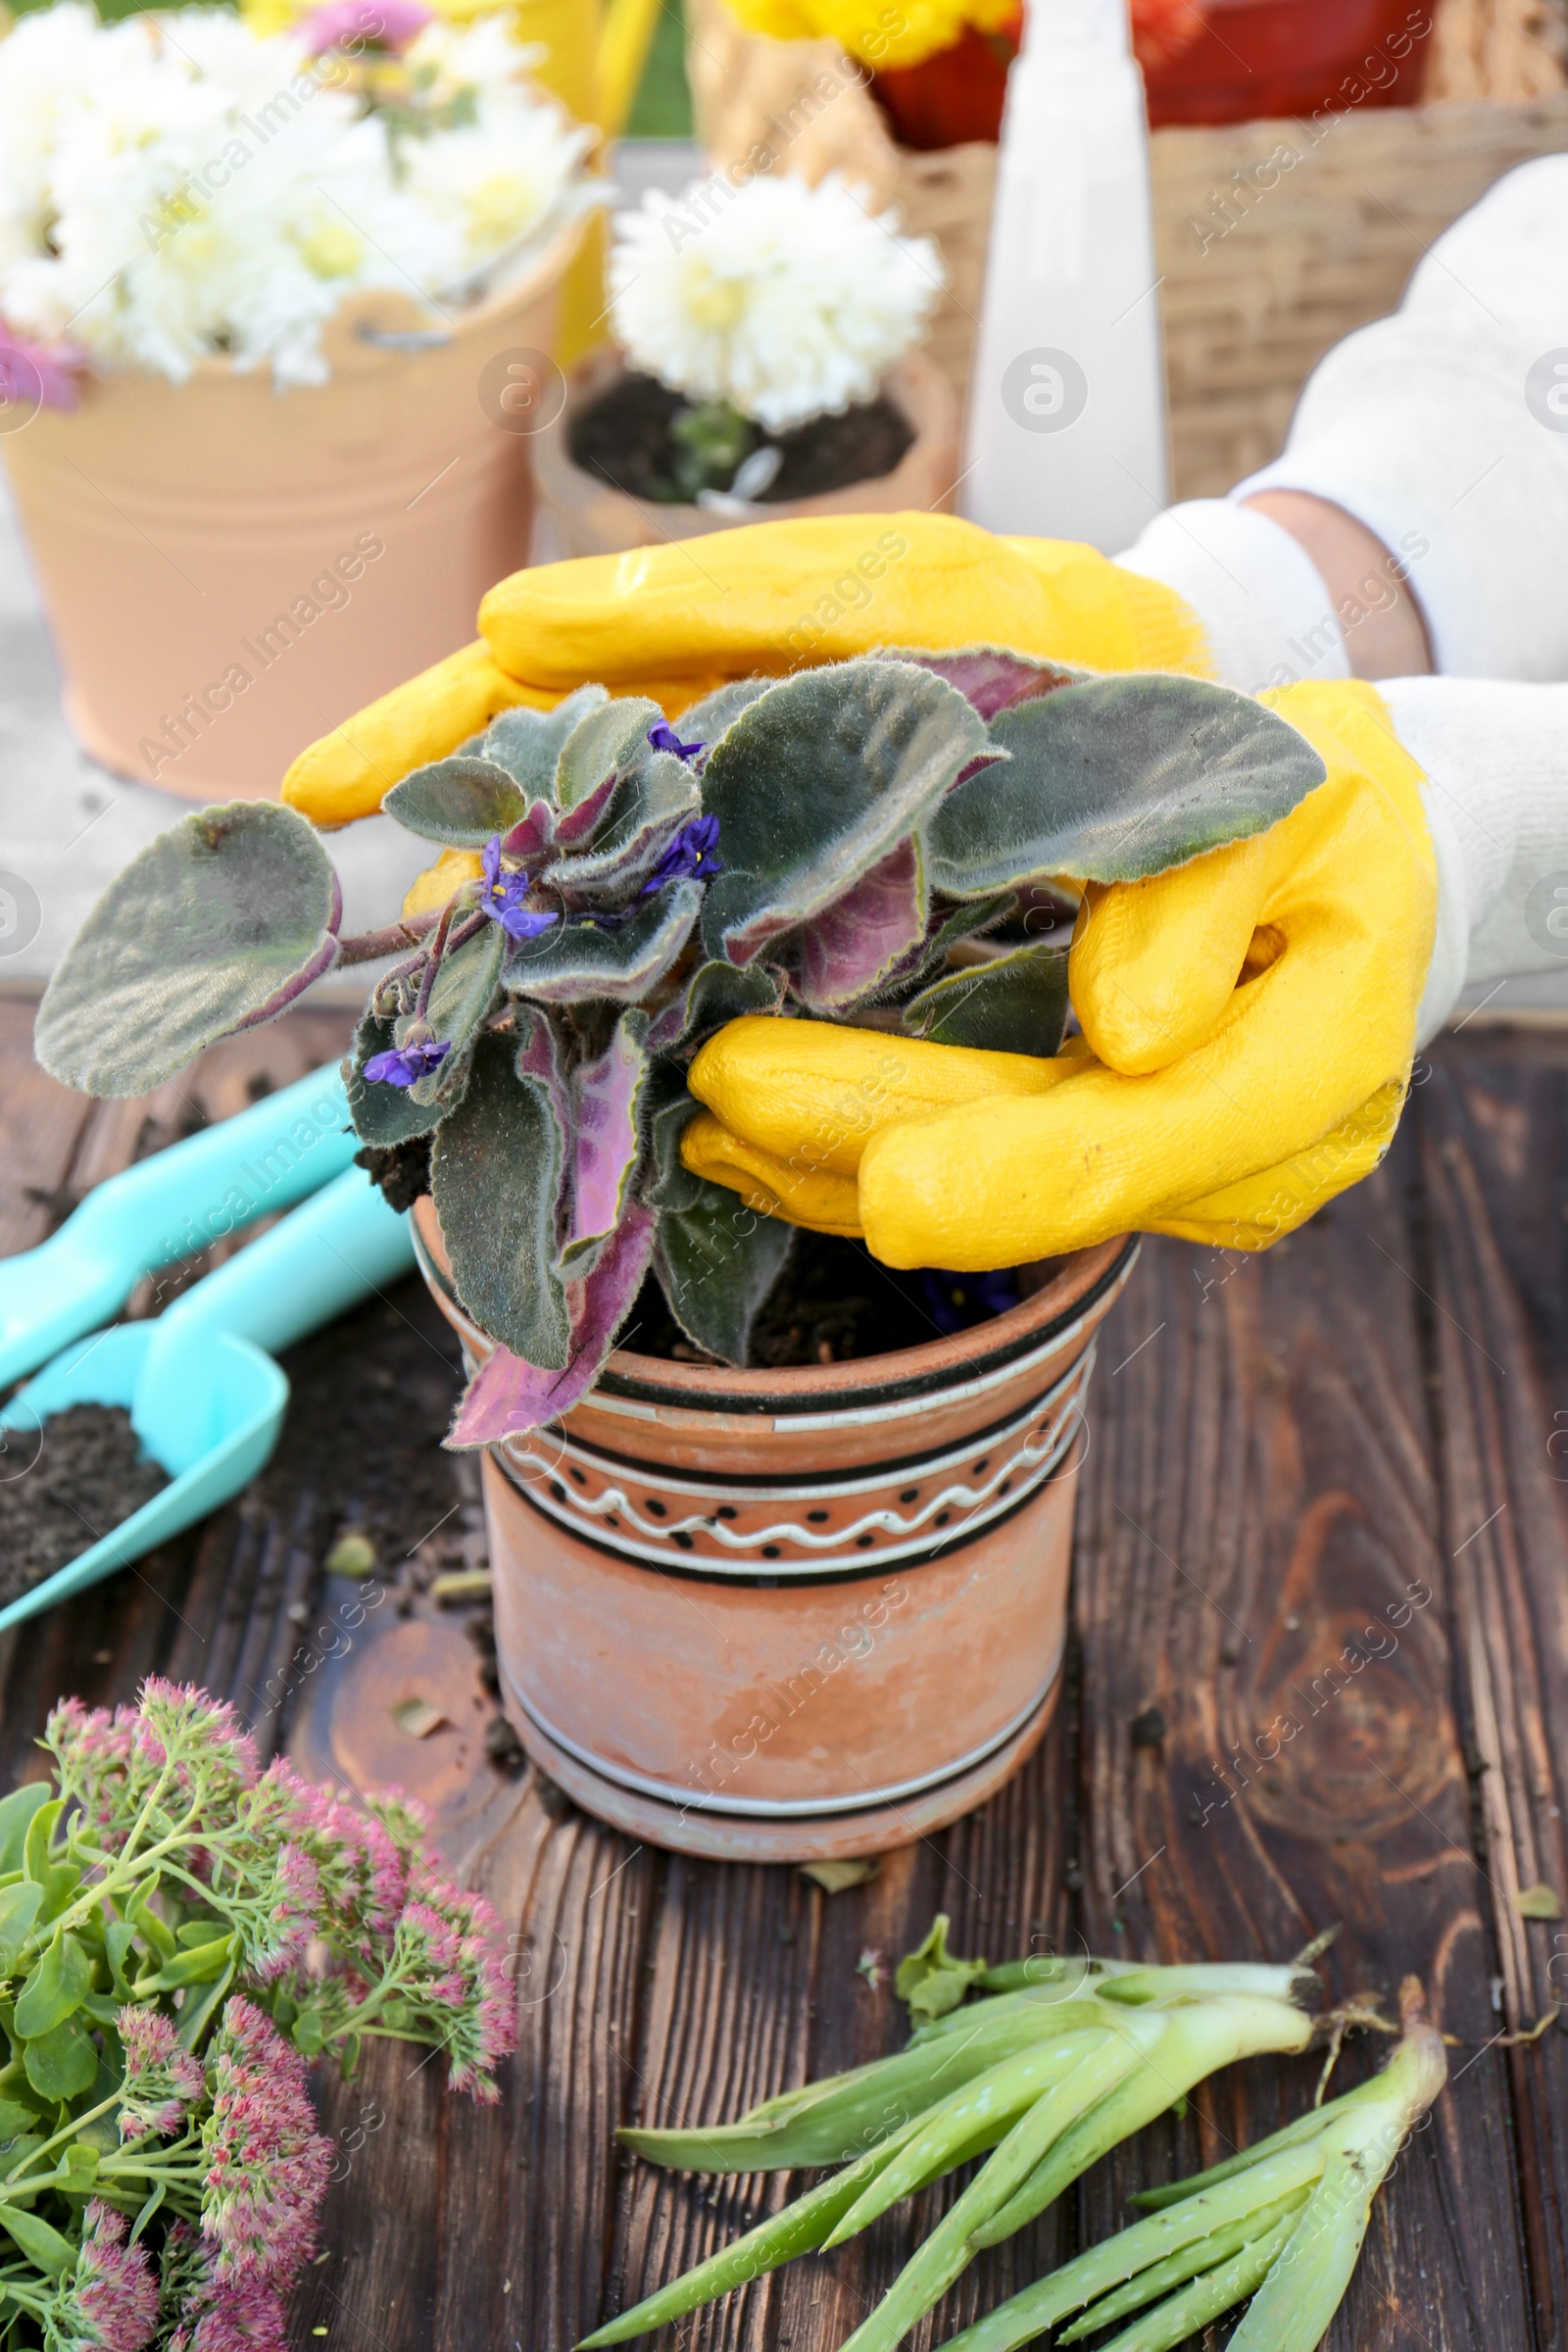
[168, 1208]
[205, 1397]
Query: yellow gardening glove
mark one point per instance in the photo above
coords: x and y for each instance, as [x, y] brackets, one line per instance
[1249, 1026]
[675, 620]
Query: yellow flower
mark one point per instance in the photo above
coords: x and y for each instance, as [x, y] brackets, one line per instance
[878, 32]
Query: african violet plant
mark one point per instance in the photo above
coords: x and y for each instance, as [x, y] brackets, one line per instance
[814, 847]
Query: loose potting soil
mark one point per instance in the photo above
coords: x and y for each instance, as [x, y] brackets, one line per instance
[833, 1304]
[623, 439]
[85, 1474]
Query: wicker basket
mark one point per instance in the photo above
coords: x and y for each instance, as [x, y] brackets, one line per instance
[1274, 239]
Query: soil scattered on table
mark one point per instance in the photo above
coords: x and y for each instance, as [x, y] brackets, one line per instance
[622, 438]
[84, 1473]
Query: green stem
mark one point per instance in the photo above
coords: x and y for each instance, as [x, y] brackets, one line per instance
[69, 2132]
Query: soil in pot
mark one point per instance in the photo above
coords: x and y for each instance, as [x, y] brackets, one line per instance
[834, 1302]
[623, 438]
[88, 1474]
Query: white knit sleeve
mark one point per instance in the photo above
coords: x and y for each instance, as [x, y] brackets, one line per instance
[1494, 758]
[1444, 430]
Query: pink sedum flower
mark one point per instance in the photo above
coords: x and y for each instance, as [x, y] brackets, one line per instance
[111, 2301]
[268, 2165]
[162, 2081]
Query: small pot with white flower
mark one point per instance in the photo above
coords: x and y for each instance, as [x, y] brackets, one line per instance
[780, 1534]
[248, 301]
[766, 365]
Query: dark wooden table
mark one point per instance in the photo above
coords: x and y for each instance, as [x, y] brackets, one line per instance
[1371, 1418]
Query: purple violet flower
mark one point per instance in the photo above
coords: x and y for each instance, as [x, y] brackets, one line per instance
[407, 1065]
[504, 896]
[692, 852]
[663, 738]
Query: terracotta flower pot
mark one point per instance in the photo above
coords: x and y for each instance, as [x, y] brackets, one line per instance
[230, 570]
[591, 518]
[780, 1616]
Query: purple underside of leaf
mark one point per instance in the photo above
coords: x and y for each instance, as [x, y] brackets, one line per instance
[507, 1396]
[991, 679]
[532, 833]
[845, 950]
[604, 1140]
[985, 760]
[576, 823]
[320, 961]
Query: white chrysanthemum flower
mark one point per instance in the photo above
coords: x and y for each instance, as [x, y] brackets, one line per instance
[174, 187]
[787, 301]
[498, 180]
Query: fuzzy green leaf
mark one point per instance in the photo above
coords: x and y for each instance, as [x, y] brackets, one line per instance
[647, 808]
[1016, 1003]
[464, 990]
[714, 993]
[716, 1263]
[62, 2061]
[1118, 779]
[608, 738]
[527, 744]
[496, 1173]
[218, 925]
[713, 714]
[577, 960]
[815, 782]
[669, 1109]
[461, 802]
[59, 1980]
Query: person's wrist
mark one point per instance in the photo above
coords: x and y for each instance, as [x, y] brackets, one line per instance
[1381, 625]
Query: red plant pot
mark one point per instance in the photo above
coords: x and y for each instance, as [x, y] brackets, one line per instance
[1203, 61]
[1257, 59]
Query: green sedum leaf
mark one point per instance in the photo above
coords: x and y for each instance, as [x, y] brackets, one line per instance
[15, 1816]
[62, 2061]
[816, 781]
[20, 1906]
[1016, 1003]
[218, 925]
[44, 2248]
[461, 802]
[496, 1172]
[60, 1978]
[1118, 779]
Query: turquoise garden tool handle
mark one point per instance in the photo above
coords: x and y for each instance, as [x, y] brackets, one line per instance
[329, 1255]
[203, 1398]
[167, 1208]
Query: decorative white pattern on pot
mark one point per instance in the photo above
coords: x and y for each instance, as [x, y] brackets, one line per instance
[918, 1517]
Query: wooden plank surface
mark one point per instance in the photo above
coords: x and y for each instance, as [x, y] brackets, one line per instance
[1320, 1565]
